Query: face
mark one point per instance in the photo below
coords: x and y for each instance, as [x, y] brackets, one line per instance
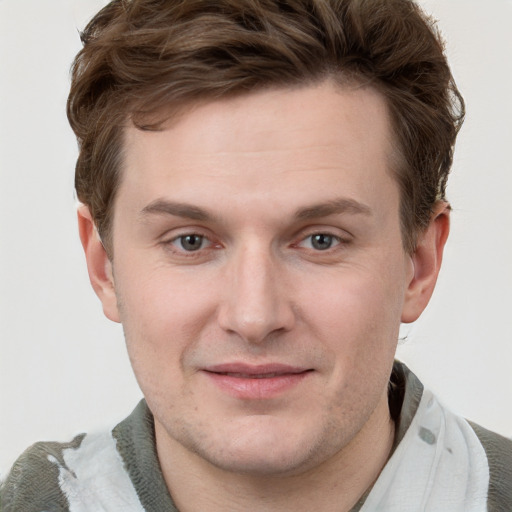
[260, 275]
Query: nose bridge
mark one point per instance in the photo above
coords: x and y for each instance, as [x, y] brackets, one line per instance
[256, 303]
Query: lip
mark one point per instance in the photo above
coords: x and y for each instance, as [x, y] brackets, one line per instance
[256, 382]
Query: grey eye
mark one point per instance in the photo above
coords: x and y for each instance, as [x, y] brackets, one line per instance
[321, 242]
[191, 242]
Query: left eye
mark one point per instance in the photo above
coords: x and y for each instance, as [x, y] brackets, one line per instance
[321, 241]
[190, 243]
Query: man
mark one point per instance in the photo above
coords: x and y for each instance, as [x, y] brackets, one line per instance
[263, 190]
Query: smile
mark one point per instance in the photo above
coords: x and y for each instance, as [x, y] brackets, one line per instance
[256, 382]
[251, 376]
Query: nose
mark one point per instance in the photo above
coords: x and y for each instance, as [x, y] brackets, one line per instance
[257, 302]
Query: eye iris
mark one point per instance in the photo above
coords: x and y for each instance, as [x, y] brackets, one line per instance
[191, 242]
[321, 242]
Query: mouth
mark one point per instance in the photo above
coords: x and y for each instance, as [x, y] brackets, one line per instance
[255, 376]
[256, 382]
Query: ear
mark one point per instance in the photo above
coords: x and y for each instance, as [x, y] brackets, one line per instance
[426, 263]
[98, 264]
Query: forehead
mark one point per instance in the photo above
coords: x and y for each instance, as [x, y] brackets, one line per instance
[321, 134]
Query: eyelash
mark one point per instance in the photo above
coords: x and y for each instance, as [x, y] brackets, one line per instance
[333, 239]
[173, 243]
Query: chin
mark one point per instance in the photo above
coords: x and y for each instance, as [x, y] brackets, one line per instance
[263, 447]
[256, 462]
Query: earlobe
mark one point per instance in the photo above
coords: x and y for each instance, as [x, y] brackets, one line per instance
[98, 264]
[426, 263]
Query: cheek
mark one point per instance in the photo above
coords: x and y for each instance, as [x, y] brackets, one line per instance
[162, 319]
[162, 300]
[358, 319]
[357, 311]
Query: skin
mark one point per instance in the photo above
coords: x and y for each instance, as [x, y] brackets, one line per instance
[288, 199]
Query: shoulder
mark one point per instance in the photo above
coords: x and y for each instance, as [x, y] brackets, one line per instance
[33, 483]
[86, 474]
[442, 457]
[499, 457]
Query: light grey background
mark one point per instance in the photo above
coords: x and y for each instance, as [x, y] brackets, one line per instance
[63, 367]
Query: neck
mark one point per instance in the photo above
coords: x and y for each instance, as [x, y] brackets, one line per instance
[334, 485]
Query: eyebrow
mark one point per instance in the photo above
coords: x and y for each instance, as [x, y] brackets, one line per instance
[165, 207]
[334, 207]
[188, 211]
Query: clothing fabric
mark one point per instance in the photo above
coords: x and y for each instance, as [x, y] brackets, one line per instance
[439, 462]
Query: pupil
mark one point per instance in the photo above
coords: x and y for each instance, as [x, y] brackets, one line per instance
[191, 242]
[321, 242]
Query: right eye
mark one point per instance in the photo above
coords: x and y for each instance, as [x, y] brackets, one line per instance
[190, 242]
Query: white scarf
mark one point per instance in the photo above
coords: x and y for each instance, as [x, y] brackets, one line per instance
[439, 466]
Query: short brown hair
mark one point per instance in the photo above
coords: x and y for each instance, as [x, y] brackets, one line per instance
[141, 57]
